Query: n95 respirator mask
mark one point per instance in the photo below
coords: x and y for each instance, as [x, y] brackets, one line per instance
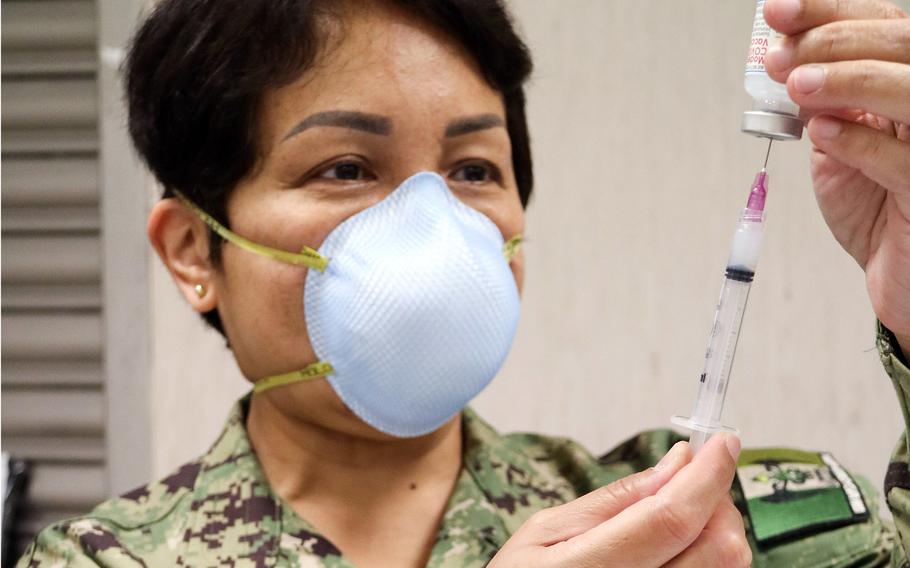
[410, 306]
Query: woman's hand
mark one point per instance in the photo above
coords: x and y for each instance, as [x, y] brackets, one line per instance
[677, 514]
[847, 64]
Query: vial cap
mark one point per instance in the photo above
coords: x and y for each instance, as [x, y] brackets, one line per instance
[774, 125]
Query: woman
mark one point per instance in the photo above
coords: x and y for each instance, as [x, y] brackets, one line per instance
[367, 164]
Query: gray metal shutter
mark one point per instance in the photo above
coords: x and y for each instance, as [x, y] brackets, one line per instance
[52, 389]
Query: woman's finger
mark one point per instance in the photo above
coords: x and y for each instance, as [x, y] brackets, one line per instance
[878, 155]
[657, 528]
[903, 132]
[563, 522]
[877, 87]
[884, 40]
[722, 543]
[793, 17]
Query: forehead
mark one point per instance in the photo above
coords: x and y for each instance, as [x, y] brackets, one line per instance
[378, 58]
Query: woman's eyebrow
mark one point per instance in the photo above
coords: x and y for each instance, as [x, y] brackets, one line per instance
[468, 124]
[372, 123]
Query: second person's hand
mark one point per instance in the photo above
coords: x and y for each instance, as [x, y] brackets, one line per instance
[847, 65]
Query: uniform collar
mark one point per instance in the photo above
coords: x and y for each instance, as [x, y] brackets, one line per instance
[236, 514]
[514, 473]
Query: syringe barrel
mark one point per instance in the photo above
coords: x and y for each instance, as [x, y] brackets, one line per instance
[747, 240]
[713, 383]
[738, 276]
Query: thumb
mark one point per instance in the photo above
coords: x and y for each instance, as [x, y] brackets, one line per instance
[560, 523]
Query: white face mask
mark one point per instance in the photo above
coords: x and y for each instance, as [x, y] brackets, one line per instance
[411, 308]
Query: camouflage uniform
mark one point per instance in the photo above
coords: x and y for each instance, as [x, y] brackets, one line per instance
[220, 510]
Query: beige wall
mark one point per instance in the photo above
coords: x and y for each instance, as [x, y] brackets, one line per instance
[641, 170]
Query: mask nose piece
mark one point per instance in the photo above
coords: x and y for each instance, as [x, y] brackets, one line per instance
[424, 181]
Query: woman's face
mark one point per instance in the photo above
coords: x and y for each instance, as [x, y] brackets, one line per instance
[427, 109]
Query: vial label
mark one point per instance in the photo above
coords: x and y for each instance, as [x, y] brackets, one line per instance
[763, 39]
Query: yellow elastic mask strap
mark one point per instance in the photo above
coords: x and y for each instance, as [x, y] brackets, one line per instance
[306, 257]
[311, 371]
[511, 246]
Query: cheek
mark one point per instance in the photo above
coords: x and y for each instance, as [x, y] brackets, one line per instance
[505, 212]
[262, 308]
[518, 270]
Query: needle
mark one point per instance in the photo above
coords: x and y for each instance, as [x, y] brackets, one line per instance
[768, 153]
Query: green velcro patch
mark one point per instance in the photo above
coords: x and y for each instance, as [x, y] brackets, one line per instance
[791, 493]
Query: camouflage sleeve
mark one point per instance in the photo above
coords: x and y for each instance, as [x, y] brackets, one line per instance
[897, 479]
[53, 547]
[77, 543]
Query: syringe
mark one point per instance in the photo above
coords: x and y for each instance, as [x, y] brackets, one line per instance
[712, 385]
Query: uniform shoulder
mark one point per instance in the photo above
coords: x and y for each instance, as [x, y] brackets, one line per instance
[79, 541]
[554, 457]
[152, 502]
[642, 450]
[571, 460]
[645, 447]
[114, 531]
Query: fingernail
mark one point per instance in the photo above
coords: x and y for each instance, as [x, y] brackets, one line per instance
[787, 10]
[733, 445]
[809, 78]
[671, 456]
[826, 128]
[780, 57]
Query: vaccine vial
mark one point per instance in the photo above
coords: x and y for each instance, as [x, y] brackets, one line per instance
[774, 115]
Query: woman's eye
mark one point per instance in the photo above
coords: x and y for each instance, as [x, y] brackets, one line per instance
[345, 171]
[474, 173]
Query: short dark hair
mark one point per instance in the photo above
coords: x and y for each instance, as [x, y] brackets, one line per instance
[197, 70]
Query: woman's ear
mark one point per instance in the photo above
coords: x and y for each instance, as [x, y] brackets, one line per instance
[182, 242]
